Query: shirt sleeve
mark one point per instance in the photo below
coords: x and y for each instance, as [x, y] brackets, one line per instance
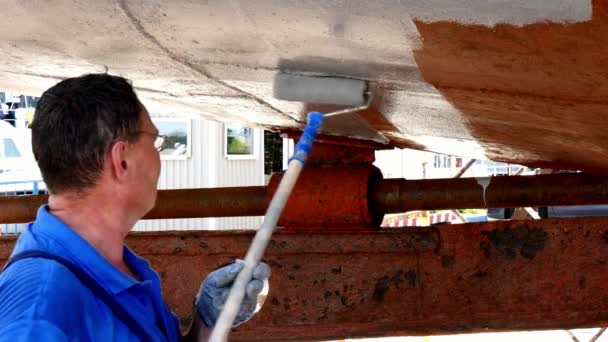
[31, 330]
[27, 313]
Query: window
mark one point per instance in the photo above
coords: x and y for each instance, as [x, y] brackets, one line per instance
[10, 149]
[178, 141]
[447, 162]
[239, 142]
[436, 161]
[502, 170]
[441, 161]
[458, 162]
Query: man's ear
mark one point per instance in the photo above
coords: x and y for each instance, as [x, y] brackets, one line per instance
[118, 160]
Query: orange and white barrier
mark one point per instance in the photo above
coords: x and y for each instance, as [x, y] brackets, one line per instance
[421, 219]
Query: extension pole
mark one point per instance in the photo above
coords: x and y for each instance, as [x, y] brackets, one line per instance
[262, 237]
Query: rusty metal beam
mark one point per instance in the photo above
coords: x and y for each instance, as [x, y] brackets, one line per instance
[498, 276]
[18, 209]
[321, 188]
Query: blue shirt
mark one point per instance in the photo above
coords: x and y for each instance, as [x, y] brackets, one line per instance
[41, 300]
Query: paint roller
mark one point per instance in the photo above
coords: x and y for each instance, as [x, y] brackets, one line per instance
[300, 88]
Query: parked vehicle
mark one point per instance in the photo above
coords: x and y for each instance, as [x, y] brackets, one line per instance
[15, 149]
[19, 173]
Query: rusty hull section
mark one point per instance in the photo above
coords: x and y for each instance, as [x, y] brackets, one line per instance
[531, 94]
[516, 275]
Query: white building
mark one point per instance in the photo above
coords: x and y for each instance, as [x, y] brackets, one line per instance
[202, 154]
[210, 161]
[414, 164]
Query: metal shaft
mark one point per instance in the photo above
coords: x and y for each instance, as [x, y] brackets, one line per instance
[386, 196]
[183, 203]
[400, 195]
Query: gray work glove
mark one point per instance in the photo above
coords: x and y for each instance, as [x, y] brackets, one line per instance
[216, 287]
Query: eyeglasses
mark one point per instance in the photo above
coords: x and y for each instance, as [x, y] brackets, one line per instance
[159, 142]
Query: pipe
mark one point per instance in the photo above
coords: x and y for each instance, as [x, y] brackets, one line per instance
[210, 202]
[400, 195]
[182, 203]
[340, 199]
[385, 196]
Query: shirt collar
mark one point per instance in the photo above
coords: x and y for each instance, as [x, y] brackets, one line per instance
[68, 243]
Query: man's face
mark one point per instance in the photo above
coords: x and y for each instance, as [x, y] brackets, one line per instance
[146, 164]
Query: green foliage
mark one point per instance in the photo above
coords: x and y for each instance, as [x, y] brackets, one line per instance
[236, 145]
[472, 211]
[175, 137]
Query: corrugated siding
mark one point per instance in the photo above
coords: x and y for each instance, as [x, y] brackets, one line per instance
[241, 172]
[207, 167]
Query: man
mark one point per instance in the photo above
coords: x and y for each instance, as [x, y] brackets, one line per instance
[71, 277]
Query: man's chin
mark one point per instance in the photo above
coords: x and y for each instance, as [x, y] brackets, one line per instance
[150, 206]
[143, 207]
